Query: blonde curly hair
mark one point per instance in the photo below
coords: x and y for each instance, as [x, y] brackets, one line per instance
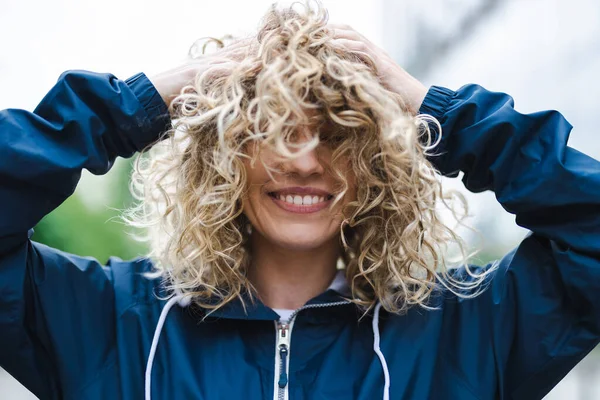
[190, 186]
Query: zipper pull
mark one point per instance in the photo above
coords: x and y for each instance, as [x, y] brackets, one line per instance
[283, 379]
[283, 341]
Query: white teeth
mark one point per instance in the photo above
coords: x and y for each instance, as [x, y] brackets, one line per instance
[301, 200]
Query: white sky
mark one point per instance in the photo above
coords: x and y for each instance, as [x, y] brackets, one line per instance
[41, 39]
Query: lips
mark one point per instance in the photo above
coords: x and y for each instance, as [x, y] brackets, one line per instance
[301, 191]
[301, 199]
[297, 199]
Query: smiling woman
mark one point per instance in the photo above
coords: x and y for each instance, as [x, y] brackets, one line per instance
[286, 158]
[291, 215]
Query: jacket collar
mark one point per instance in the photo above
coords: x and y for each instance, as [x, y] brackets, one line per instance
[256, 310]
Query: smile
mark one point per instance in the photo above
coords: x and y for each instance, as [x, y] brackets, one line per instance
[300, 203]
[306, 200]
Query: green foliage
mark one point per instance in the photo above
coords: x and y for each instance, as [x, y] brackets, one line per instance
[76, 228]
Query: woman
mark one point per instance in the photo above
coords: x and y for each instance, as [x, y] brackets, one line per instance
[292, 226]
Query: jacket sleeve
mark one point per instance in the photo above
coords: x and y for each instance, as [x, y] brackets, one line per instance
[540, 314]
[56, 309]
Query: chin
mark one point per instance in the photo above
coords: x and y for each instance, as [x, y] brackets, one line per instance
[301, 240]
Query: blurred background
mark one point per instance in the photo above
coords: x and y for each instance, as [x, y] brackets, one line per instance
[545, 53]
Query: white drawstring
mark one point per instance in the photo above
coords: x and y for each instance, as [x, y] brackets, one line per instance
[386, 372]
[183, 302]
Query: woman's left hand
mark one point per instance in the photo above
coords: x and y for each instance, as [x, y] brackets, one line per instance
[393, 76]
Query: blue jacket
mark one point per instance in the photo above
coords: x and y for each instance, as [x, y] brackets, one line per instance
[71, 328]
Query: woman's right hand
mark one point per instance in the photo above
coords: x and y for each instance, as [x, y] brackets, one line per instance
[169, 83]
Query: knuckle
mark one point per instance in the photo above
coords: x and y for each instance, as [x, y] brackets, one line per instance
[362, 46]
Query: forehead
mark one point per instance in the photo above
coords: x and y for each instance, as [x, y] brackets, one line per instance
[317, 121]
[310, 118]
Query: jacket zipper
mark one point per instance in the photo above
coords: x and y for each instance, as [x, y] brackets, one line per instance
[282, 360]
[282, 350]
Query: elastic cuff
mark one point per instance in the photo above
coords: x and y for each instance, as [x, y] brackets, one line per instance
[436, 102]
[156, 109]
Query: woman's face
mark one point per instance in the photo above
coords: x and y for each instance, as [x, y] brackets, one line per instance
[292, 210]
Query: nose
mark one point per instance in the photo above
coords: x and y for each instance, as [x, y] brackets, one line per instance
[308, 163]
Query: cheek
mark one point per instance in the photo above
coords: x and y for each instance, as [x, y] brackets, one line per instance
[252, 192]
[256, 177]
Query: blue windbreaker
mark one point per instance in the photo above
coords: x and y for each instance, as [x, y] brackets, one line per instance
[71, 328]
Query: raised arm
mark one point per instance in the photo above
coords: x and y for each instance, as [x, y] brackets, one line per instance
[57, 311]
[53, 305]
[541, 314]
[85, 121]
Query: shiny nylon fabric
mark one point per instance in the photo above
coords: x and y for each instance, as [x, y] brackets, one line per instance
[73, 328]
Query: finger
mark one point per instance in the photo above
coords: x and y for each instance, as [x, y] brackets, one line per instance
[358, 48]
[341, 27]
[222, 66]
[238, 50]
[240, 43]
[344, 34]
[351, 44]
[216, 70]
